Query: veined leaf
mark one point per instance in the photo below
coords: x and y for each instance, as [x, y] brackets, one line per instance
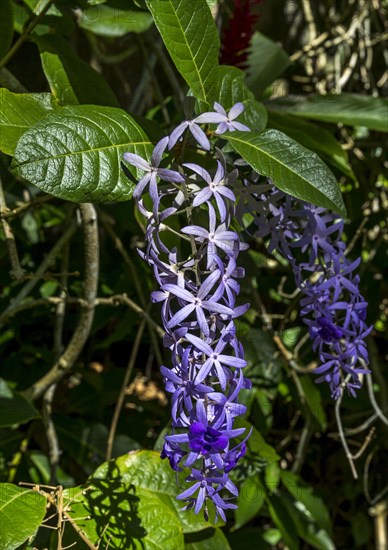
[190, 36]
[18, 113]
[75, 153]
[294, 169]
[72, 80]
[350, 109]
[21, 513]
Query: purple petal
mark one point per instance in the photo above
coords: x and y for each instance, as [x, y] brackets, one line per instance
[137, 161]
[210, 118]
[199, 170]
[158, 151]
[176, 134]
[236, 110]
[180, 316]
[200, 136]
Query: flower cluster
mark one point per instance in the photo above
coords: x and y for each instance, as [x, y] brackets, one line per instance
[331, 305]
[195, 267]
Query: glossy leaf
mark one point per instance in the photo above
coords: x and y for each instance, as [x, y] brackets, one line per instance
[17, 114]
[115, 20]
[14, 408]
[250, 500]
[349, 109]
[266, 61]
[71, 80]
[146, 470]
[208, 539]
[6, 26]
[294, 169]
[116, 514]
[75, 153]
[190, 35]
[21, 513]
[256, 443]
[314, 400]
[305, 494]
[284, 521]
[315, 138]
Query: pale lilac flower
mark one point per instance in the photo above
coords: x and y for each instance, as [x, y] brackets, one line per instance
[226, 121]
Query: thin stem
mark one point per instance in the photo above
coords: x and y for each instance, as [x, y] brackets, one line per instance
[373, 401]
[120, 400]
[25, 34]
[82, 330]
[349, 455]
[16, 270]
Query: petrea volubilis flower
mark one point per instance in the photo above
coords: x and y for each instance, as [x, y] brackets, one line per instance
[197, 292]
[331, 305]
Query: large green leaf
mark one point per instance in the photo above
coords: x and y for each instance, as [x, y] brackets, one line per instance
[116, 515]
[266, 61]
[17, 114]
[75, 153]
[209, 539]
[6, 26]
[304, 493]
[315, 138]
[350, 109]
[114, 20]
[284, 521]
[71, 80]
[190, 35]
[292, 167]
[147, 471]
[14, 409]
[21, 513]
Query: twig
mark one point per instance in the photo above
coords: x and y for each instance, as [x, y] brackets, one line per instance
[25, 34]
[82, 330]
[121, 397]
[48, 397]
[41, 269]
[373, 401]
[9, 81]
[16, 270]
[348, 454]
[26, 206]
[116, 300]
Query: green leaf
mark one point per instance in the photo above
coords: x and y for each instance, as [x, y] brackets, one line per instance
[315, 138]
[14, 408]
[71, 80]
[307, 529]
[148, 472]
[6, 27]
[17, 114]
[304, 493]
[231, 89]
[75, 153]
[266, 61]
[248, 539]
[114, 20]
[314, 400]
[350, 109]
[21, 513]
[116, 515]
[256, 443]
[190, 35]
[293, 169]
[208, 539]
[250, 500]
[86, 441]
[284, 520]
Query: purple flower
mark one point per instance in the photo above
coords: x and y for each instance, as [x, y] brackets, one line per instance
[197, 133]
[226, 121]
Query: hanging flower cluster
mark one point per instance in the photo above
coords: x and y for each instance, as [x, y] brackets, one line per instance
[194, 255]
[331, 305]
[196, 269]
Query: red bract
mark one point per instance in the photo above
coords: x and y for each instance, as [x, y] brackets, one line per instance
[236, 35]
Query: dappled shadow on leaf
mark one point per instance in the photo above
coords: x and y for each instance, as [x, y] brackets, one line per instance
[113, 505]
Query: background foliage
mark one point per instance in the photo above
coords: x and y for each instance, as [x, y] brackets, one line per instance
[82, 81]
